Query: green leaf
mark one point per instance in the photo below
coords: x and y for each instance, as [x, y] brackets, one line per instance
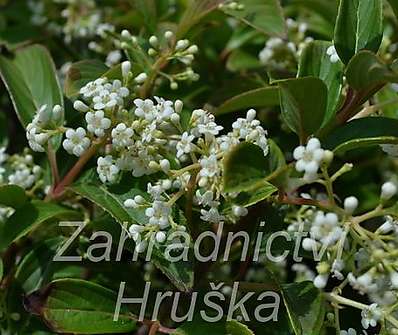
[37, 266]
[359, 26]
[3, 130]
[265, 16]
[263, 190]
[366, 71]
[12, 196]
[31, 81]
[261, 97]
[303, 103]
[80, 73]
[244, 168]
[111, 200]
[30, 216]
[305, 307]
[147, 8]
[1, 269]
[315, 62]
[200, 327]
[195, 12]
[363, 132]
[79, 307]
[240, 60]
[394, 6]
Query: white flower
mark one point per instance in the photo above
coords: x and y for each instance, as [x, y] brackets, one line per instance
[107, 170]
[309, 158]
[140, 164]
[76, 142]
[332, 53]
[370, 316]
[36, 138]
[97, 123]
[212, 215]
[25, 176]
[388, 190]
[145, 109]
[159, 213]
[105, 100]
[210, 128]
[185, 146]
[89, 90]
[363, 284]
[209, 166]
[205, 199]
[325, 228]
[122, 136]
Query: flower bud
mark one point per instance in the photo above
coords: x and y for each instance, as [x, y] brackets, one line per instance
[160, 237]
[178, 105]
[350, 205]
[388, 190]
[126, 67]
[168, 35]
[125, 34]
[153, 40]
[141, 78]
[321, 281]
[80, 106]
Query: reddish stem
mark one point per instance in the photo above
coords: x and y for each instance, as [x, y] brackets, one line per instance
[74, 172]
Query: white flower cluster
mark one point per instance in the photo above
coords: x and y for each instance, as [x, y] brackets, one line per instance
[181, 51]
[281, 54]
[375, 270]
[154, 140]
[310, 157]
[18, 169]
[43, 126]
[103, 100]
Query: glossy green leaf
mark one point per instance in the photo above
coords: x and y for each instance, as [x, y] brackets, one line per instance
[12, 196]
[111, 200]
[31, 81]
[36, 268]
[147, 8]
[394, 6]
[359, 26]
[244, 168]
[29, 217]
[79, 307]
[366, 71]
[80, 73]
[265, 16]
[199, 327]
[261, 97]
[305, 306]
[315, 62]
[363, 132]
[303, 103]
